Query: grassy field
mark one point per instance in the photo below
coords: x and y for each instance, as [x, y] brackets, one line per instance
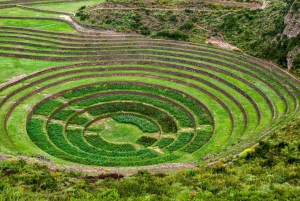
[120, 133]
[71, 7]
[58, 81]
[46, 25]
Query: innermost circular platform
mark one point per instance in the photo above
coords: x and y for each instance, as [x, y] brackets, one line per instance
[115, 132]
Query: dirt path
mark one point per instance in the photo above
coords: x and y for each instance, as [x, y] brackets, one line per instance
[92, 170]
[264, 5]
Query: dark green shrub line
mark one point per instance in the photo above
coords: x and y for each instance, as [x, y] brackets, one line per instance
[259, 91]
[267, 83]
[163, 119]
[38, 136]
[97, 129]
[78, 40]
[36, 133]
[270, 104]
[46, 108]
[200, 139]
[266, 97]
[78, 120]
[146, 141]
[98, 142]
[179, 96]
[63, 114]
[56, 135]
[144, 124]
[182, 140]
[76, 138]
[180, 114]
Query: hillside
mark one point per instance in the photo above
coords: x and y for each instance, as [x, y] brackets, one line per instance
[149, 100]
[271, 172]
[270, 32]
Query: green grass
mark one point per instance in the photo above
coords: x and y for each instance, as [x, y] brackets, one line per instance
[45, 25]
[144, 124]
[18, 66]
[96, 127]
[167, 85]
[20, 12]
[67, 6]
[115, 132]
[113, 135]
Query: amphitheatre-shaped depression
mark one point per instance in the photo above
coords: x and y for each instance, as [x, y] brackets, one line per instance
[182, 102]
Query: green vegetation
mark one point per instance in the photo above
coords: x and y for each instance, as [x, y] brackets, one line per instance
[20, 12]
[164, 120]
[163, 142]
[268, 42]
[96, 127]
[45, 25]
[184, 120]
[118, 132]
[71, 96]
[259, 32]
[71, 7]
[259, 176]
[201, 137]
[144, 124]
[97, 141]
[146, 141]
[63, 114]
[46, 108]
[182, 140]
[222, 99]
[79, 120]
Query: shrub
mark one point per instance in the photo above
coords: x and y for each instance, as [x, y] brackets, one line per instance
[145, 30]
[79, 120]
[46, 108]
[199, 140]
[64, 114]
[173, 18]
[98, 142]
[146, 141]
[175, 35]
[163, 142]
[182, 140]
[144, 124]
[296, 62]
[186, 26]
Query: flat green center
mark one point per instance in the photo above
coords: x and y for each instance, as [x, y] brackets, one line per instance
[119, 132]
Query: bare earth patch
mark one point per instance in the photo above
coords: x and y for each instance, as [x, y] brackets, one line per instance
[13, 79]
[222, 44]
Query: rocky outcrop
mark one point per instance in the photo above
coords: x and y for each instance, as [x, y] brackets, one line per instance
[292, 29]
[291, 56]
